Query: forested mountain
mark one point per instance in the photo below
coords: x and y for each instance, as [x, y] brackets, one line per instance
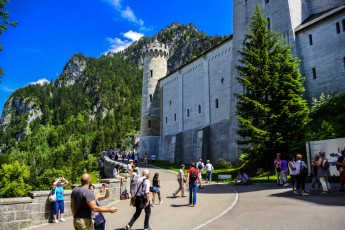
[59, 128]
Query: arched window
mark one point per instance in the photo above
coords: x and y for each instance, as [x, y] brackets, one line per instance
[166, 120]
[188, 113]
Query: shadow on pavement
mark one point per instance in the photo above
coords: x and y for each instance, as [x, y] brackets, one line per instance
[179, 205]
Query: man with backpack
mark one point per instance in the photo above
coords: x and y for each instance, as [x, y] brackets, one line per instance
[193, 178]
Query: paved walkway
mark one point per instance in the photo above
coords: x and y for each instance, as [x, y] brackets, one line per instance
[264, 206]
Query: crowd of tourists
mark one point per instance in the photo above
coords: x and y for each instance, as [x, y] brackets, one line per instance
[298, 171]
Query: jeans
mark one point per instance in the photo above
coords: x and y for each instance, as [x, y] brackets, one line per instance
[314, 181]
[300, 182]
[293, 179]
[138, 212]
[209, 175]
[59, 204]
[193, 188]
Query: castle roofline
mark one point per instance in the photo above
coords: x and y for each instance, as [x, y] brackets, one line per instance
[314, 18]
[202, 54]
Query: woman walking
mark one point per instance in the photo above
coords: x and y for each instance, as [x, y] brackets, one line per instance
[323, 173]
[315, 177]
[156, 183]
[59, 204]
[292, 172]
[181, 181]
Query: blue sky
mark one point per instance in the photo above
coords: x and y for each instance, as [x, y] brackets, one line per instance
[49, 32]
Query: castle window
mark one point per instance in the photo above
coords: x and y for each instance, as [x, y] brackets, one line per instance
[188, 113]
[222, 80]
[166, 120]
[151, 73]
[314, 73]
[217, 103]
[310, 39]
[175, 117]
[267, 1]
[150, 97]
[343, 22]
[268, 23]
[199, 108]
[149, 124]
[337, 27]
[344, 62]
[170, 102]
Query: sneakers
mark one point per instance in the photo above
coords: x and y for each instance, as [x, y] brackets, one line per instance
[128, 227]
[174, 194]
[147, 228]
[161, 202]
[305, 194]
[62, 220]
[55, 221]
[152, 205]
[323, 193]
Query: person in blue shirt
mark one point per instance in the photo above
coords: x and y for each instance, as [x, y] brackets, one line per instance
[59, 204]
[242, 178]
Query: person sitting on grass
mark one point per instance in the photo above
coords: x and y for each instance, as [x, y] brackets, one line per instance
[242, 179]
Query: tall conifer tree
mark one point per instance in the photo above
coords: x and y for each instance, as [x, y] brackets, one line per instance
[271, 110]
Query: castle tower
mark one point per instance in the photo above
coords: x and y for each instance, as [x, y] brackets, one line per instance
[155, 67]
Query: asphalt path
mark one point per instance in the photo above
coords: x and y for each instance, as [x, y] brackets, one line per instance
[219, 206]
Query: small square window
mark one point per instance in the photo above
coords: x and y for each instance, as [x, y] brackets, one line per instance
[314, 73]
[267, 1]
[310, 39]
[337, 27]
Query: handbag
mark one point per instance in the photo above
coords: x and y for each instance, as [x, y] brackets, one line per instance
[151, 189]
[52, 196]
[99, 219]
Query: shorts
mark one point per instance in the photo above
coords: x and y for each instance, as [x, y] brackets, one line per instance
[59, 204]
[83, 224]
[156, 189]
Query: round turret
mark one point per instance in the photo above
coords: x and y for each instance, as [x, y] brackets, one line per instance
[155, 56]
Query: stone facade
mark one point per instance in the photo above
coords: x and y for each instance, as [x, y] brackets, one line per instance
[197, 102]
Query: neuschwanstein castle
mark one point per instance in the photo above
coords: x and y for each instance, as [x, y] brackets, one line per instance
[190, 113]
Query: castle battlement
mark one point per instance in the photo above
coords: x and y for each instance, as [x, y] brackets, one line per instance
[156, 48]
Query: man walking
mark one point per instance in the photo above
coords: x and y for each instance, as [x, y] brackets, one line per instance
[83, 202]
[142, 201]
[193, 178]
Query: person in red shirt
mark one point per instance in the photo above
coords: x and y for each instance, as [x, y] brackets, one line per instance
[193, 178]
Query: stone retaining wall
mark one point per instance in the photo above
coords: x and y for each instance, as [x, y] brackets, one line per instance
[23, 212]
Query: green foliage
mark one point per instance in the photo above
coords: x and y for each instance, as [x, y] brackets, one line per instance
[4, 24]
[14, 180]
[271, 111]
[223, 164]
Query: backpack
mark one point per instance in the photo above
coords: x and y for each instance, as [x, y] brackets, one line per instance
[200, 167]
[303, 168]
[325, 164]
[193, 175]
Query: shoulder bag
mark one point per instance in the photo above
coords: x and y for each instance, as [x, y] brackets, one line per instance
[133, 199]
[52, 196]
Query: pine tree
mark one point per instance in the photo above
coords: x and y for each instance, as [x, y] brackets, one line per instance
[271, 110]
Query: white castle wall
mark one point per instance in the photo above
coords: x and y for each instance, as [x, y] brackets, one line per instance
[326, 55]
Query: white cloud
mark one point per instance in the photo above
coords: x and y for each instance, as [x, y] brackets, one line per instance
[42, 81]
[117, 44]
[126, 12]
